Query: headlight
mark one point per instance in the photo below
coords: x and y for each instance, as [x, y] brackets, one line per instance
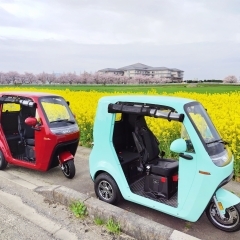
[65, 130]
[223, 158]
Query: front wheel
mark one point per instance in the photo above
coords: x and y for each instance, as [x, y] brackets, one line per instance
[3, 162]
[68, 169]
[231, 223]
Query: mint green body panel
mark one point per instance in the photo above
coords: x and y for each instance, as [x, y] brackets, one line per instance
[195, 190]
[227, 198]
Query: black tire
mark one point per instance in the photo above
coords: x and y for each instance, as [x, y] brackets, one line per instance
[69, 169]
[3, 162]
[106, 189]
[232, 215]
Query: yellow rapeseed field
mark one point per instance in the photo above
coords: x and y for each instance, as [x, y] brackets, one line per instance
[222, 108]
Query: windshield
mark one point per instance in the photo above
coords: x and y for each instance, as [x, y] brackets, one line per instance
[57, 110]
[215, 146]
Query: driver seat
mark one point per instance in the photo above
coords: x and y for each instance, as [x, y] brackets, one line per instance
[147, 145]
[161, 180]
[26, 132]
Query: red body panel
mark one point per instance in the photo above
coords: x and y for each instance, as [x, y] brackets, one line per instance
[65, 156]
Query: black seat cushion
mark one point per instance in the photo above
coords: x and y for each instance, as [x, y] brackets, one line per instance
[164, 167]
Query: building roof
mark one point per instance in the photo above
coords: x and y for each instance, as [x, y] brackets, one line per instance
[177, 70]
[140, 67]
[110, 70]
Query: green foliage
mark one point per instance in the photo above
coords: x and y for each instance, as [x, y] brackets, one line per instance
[144, 88]
[86, 136]
[79, 209]
[98, 221]
[113, 227]
[188, 225]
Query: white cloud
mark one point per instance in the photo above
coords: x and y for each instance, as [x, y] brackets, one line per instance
[152, 24]
[21, 10]
[110, 22]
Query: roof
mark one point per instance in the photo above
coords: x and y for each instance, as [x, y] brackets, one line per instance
[175, 102]
[135, 66]
[140, 67]
[110, 70]
[27, 94]
[177, 70]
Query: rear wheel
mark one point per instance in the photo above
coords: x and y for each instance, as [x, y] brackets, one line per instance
[106, 189]
[68, 169]
[231, 223]
[3, 162]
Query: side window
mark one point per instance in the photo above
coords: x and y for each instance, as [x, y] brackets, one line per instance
[11, 107]
[185, 136]
[166, 132]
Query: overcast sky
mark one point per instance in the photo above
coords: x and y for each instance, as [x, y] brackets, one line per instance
[200, 37]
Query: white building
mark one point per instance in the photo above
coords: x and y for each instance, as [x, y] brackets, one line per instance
[173, 74]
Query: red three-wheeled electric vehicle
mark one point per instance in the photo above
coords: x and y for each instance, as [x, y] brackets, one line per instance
[37, 131]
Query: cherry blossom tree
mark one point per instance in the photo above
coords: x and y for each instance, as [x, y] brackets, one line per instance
[29, 78]
[11, 77]
[19, 80]
[2, 78]
[96, 78]
[42, 77]
[230, 79]
[52, 78]
[70, 78]
[127, 80]
[14, 77]
[63, 79]
[84, 77]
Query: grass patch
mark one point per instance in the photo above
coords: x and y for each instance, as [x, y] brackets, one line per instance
[166, 88]
[98, 221]
[78, 209]
[188, 225]
[113, 227]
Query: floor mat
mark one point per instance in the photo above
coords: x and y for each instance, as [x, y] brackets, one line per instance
[22, 157]
[138, 186]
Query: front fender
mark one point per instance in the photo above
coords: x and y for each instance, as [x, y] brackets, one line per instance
[227, 198]
[65, 156]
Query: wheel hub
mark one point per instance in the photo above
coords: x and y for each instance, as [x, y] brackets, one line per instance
[230, 217]
[105, 190]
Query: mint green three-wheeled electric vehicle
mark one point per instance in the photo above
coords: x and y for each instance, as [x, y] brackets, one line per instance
[184, 180]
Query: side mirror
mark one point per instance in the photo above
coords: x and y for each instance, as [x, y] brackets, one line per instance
[178, 146]
[31, 121]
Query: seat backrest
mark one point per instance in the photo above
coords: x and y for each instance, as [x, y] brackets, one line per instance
[147, 139]
[25, 131]
[122, 134]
